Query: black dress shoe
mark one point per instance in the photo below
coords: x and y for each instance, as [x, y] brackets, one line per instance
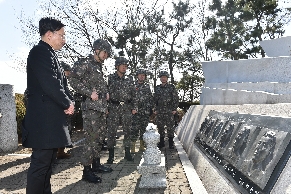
[104, 147]
[70, 146]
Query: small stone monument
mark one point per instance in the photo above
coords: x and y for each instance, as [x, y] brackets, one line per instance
[8, 124]
[152, 165]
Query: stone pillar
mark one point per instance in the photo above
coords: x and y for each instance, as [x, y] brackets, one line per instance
[152, 165]
[8, 125]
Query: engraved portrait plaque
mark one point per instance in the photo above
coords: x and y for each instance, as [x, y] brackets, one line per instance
[251, 150]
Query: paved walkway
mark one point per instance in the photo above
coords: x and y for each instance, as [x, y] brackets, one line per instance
[67, 174]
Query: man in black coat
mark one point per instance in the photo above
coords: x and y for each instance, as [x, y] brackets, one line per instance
[45, 128]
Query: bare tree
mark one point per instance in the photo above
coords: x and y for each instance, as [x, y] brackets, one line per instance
[84, 24]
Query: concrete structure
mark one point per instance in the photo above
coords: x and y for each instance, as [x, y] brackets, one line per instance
[8, 125]
[255, 87]
[277, 47]
[152, 165]
[254, 81]
[213, 180]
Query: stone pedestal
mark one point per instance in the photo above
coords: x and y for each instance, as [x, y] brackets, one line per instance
[152, 165]
[153, 175]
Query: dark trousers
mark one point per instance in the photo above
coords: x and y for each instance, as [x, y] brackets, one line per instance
[40, 170]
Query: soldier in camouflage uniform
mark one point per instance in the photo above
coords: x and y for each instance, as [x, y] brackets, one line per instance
[145, 103]
[61, 154]
[77, 99]
[87, 79]
[121, 107]
[166, 104]
[67, 70]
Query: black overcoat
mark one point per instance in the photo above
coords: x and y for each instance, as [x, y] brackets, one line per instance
[45, 123]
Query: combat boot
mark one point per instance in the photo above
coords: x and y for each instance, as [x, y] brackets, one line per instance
[104, 145]
[141, 146]
[132, 147]
[128, 156]
[111, 156]
[171, 143]
[89, 176]
[161, 144]
[62, 155]
[97, 167]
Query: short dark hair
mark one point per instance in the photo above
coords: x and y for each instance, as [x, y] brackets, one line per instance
[49, 24]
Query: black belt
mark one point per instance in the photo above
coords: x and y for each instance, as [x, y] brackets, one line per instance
[102, 95]
[120, 102]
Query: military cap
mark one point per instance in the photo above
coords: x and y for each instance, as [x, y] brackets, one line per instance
[164, 73]
[121, 61]
[103, 45]
[65, 66]
[141, 71]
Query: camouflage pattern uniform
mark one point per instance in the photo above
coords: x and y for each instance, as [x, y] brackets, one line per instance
[166, 100]
[77, 120]
[67, 67]
[145, 103]
[86, 77]
[122, 101]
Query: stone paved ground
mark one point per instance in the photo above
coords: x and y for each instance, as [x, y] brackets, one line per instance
[67, 174]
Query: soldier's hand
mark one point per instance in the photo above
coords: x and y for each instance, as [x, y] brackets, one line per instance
[107, 96]
[133, 111]
[70, 110]
[94, 95]
[174, 112]
[155, 112]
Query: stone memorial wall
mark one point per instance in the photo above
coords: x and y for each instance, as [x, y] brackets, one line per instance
[239, 148]
[246, 148]
[238, 139]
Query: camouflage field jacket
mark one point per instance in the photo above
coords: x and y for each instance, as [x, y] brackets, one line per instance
[121, 89]
[144, 98]
[166, 98]
[86, 77]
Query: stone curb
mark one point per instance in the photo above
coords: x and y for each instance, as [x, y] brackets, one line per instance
[192, 176]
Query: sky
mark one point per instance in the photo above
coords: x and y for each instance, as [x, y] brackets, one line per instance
[12, 45]
[11, 41]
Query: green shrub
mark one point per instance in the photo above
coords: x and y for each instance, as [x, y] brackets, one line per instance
[186, 105]
[20, 112]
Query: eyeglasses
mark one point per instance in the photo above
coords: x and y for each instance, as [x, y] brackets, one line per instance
[63, 36]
